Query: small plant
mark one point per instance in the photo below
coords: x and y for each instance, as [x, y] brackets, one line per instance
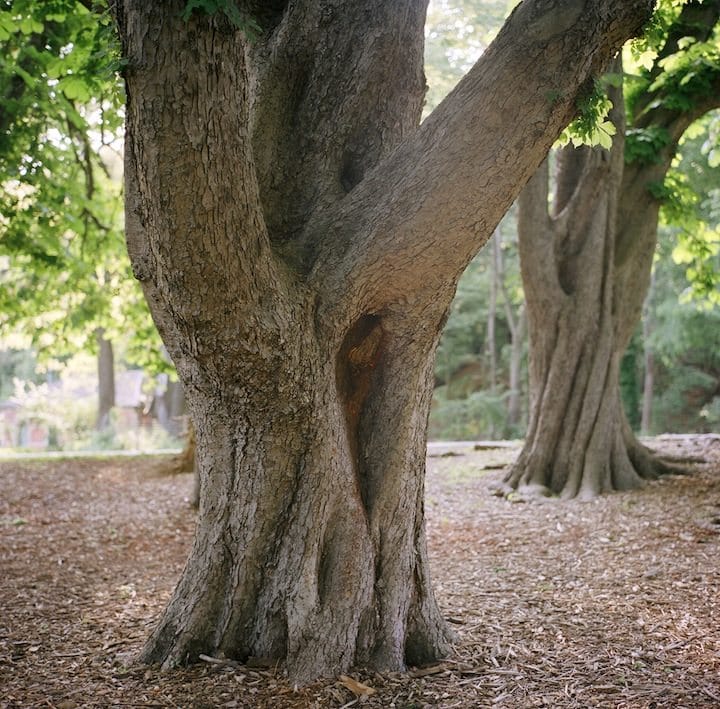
[228, 8]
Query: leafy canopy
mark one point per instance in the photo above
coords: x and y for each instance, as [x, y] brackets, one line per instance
[63, 260]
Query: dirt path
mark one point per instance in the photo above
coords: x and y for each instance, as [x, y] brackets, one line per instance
[613, 603]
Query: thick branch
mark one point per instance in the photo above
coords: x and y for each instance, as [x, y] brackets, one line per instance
[417, 219]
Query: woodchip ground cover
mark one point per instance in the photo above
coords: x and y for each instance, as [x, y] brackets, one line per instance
[610, 603]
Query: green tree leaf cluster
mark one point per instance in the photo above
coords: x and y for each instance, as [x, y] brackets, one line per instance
[63, 259]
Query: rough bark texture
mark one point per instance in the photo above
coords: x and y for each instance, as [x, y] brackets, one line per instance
[586, 270]
[299, 238]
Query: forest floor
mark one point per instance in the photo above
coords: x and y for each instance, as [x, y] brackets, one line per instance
[610, 603]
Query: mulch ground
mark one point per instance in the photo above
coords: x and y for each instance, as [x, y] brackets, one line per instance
[610, 603]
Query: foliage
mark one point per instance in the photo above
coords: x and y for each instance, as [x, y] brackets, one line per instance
[16, 364]
[229, 9]
[691, 208]
[687, 344]
[591, 126]
[643, 145]
[457, 33]
[468, 418]
[465, 405]
[685, 341]
[63, 260]
[68, 414]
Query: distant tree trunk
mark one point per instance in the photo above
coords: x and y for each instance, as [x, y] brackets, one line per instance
[586, 270]
[518, 326]
[648, 365]
[299, 237]
[106, 380]
[574, 443]
[578, 441]
[490, 342]
[177, 410]
[490, 339]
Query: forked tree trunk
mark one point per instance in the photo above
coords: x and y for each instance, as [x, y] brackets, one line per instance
[575, 443]
[329, 468]
[299, 239]
[578, 441]
[586, 270]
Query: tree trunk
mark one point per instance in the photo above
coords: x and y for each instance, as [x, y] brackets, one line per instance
[648, 367]
[299, 238]
[326, 489]
[586, 270]
[491, 344]
[517, 325]
[517, 334]
[575, 444]
[578, 441]
[106, 380]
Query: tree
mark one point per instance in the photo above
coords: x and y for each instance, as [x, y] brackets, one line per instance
[298, 238]
[586, 267]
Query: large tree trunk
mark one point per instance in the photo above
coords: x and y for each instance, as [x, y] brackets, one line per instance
[586, 270]
[299, 239]
[332, 477]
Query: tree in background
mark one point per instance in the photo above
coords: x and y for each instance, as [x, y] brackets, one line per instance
[298, 239]
[586, 266]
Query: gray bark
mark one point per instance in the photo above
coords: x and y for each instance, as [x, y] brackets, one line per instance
[586, 270]
[106, 380]
[517, 334]
[648, 367]
[298, 238]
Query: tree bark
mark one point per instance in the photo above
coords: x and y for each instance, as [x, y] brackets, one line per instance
[517, 334]
[517, 325]
[491, 344]
[586, 270]
[567, 268]
[299, 238]
[648, 367]
[106, 380]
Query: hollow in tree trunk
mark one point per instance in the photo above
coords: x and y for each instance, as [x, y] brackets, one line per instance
[299, 237]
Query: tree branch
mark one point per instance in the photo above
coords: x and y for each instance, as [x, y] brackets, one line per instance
[416, 220]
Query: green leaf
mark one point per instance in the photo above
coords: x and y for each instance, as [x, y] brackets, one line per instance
[74, 88]
[604, 139]
[8, 26]
[29, 25]
[685, 42]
